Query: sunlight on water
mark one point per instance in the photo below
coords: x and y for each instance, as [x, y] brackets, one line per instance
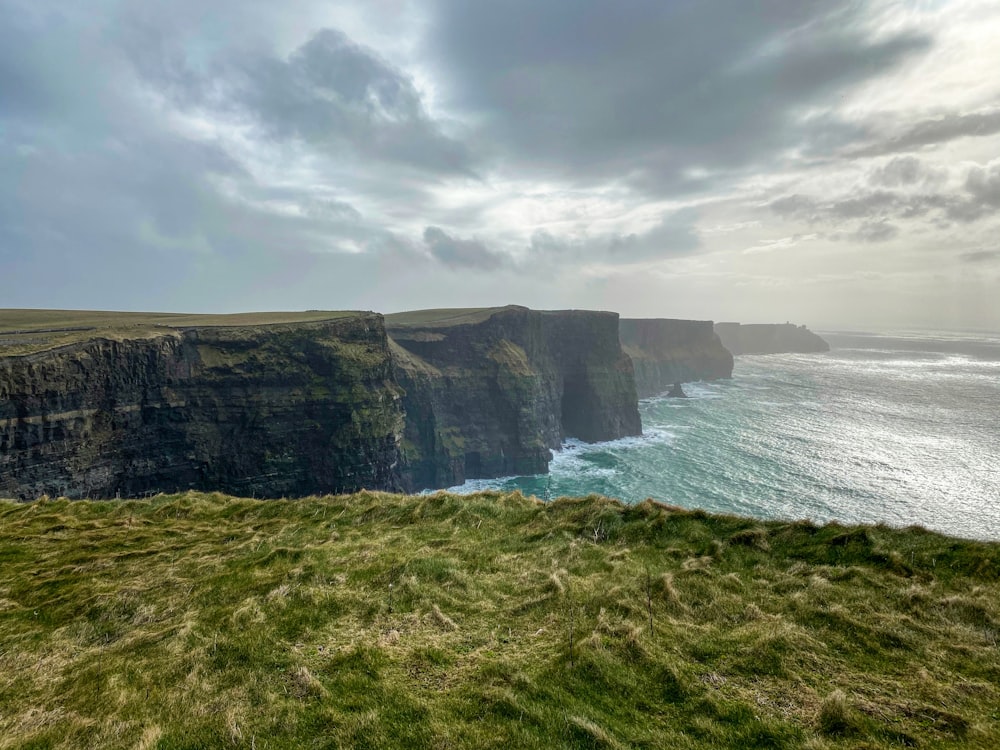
[901, 430]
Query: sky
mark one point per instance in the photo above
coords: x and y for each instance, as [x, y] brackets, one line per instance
[823, 162]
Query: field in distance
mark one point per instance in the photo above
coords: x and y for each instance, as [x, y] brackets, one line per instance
[27, 331]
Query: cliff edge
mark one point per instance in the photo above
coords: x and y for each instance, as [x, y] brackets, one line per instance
[769, 338]
[128, 404]
[666, 351]
[489, 392]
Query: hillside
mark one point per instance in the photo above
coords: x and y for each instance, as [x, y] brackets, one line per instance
[492, 620]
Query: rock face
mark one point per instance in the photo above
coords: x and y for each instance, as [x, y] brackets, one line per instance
[769, 338]
[273, 410]
[666, 351]
[489, 392]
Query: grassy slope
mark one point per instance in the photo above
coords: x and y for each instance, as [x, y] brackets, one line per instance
[486, 621]
[441, 317]
[27, 331]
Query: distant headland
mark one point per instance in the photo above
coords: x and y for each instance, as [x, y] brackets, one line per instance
[769, 338]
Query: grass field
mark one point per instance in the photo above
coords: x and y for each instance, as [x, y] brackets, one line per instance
[28, 331]
[441, 318]
[491, 620]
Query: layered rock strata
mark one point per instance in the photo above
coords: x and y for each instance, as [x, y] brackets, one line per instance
[769, 338]
[272, 410]
[666, 351]
[490, 392]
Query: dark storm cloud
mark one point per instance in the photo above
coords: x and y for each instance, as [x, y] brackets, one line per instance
[646, 90]
[933, 132]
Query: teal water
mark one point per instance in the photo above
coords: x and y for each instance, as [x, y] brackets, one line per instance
[901, 429]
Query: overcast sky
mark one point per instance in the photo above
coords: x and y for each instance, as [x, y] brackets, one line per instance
[826, 162]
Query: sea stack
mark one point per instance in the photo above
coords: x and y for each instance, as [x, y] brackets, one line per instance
[676, 391]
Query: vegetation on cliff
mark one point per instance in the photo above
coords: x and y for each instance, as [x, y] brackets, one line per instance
[490, 620]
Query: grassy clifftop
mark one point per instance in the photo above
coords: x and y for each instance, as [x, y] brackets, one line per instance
[28, 331]
[493, 620]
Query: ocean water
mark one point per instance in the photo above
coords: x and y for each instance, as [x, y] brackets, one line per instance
[900, 429]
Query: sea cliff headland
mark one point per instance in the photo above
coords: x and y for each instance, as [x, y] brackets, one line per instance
[286, 404]
[769, 338]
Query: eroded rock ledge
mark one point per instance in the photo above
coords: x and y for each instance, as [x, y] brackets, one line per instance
[666, 351]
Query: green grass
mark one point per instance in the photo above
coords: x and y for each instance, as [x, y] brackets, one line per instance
[442, 317]
[29, 331]
[376, 620]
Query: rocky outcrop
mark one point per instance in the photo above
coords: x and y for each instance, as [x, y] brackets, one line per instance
[769, 338]
[273, 410]
[490, 392]
[666, 351]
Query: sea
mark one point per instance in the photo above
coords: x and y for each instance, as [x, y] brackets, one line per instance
[894, 428]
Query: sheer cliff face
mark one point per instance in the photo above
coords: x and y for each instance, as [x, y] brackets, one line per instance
[767, 338]
[490, 393]
[268, 410]
[666, 351]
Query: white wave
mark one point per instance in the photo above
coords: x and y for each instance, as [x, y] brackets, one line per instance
[650, 436]
[471, 486]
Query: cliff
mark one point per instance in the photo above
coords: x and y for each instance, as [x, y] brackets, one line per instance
[769, 338]
[666, 351]
[130, 404]
[488, 392]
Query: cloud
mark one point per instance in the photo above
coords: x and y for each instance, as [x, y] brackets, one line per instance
[932, 132]
[983, 183]
[918, 193]
[901, 171]
[458, 253]
[782, 243]
[874, 231]
[980, 256]
[336, 94]
[667, 96]
[673, 235]
[244, 153]
[330, 92]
